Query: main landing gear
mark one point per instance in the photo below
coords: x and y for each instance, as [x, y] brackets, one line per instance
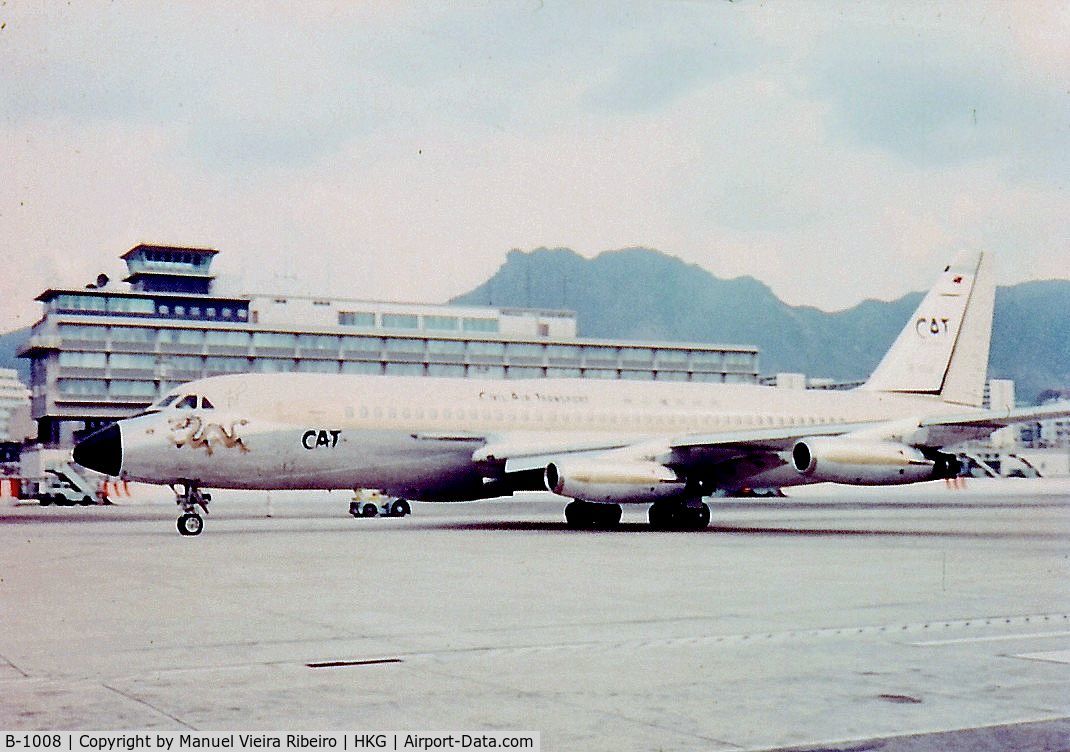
[688, 514]
[190, 498]
[585, 514]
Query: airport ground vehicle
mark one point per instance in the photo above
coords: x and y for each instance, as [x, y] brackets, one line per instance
[62, 485]
[371, 503]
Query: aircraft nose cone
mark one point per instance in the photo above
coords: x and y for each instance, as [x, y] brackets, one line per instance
[101, 451]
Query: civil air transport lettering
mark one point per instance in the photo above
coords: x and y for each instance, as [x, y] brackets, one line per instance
[931, 325]
[312, 438]
[600, 443]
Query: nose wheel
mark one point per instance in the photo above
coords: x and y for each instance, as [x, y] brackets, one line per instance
[190, 524]
[192, 500]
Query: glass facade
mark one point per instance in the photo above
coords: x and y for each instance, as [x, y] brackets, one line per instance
[131, 305]
[362, 345]
[278, 340]
[226, 338]
[83, 333]
[637, 355]
[400, 321]
[356, 318]
[443, 369]
[318, 343]
[405, 369]
[445, 347]
[79, 303]
[273, 365]
[524, 350]
[441, 323]
[186, 337]
[404, 345]
[137, 334]
[83, 387]
[221, 364]
[370, 368]
[486, 348]
[523, 372]
[131, 361]
[562, 373]
[78, 359]
[317, 366]
[480, 325]
[124, 388]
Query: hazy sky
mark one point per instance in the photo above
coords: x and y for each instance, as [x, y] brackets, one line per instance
[397, 151]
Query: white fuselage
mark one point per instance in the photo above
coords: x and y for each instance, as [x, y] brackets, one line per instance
[415, 437]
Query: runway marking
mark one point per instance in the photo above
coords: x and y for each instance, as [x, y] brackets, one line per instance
[342, 664]
[991, 638]
[1052, 656]
[756, 638]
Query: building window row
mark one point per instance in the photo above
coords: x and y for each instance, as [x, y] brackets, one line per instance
[356, 318]
[174, 257]
[201, 311]
[137, 306]
[522, 352]
[76, 359]
[412, 321]
[133, 388]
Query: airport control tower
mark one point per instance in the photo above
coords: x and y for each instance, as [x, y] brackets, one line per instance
[156, 268]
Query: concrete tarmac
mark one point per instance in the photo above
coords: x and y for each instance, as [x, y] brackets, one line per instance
[831, 624]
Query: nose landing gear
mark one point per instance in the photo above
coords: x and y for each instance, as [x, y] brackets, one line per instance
[189, 499]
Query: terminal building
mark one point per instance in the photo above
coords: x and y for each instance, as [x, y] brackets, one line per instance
[107, 351]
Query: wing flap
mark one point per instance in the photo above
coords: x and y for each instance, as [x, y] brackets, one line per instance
[759, 439]
[999, 418]
[531, 447]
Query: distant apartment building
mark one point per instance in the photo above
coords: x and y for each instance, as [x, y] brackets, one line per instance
[15, 423]
[107, 351]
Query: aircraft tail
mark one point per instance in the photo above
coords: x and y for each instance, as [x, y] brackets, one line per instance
[943, 349]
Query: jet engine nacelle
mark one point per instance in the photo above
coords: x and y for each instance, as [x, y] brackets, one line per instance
[612, 482]
[868, 463]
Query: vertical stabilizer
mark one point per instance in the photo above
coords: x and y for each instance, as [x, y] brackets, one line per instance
[943, 349]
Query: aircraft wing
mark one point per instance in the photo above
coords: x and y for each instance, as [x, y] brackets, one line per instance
[531, 451]
[733, 457]
[995, 419]
[756, 440]
[723, 455]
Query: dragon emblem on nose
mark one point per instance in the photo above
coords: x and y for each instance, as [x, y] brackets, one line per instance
[194, 432]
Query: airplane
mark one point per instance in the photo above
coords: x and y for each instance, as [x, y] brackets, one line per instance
[600, 443]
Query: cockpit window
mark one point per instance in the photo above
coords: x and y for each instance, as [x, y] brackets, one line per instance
[166, 401]
[206, 404]
[189, 402]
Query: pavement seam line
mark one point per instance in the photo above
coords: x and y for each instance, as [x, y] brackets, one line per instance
[11, 663]
[149, 705]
